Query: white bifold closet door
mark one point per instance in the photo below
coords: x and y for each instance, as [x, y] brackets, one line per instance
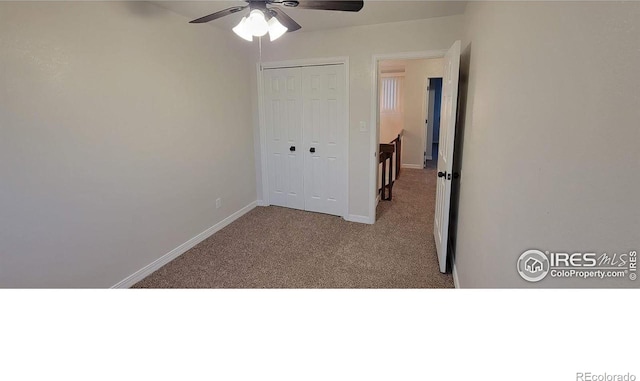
[307, 137]
[283, 117]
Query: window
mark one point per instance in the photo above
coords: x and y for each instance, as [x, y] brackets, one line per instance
[391, 94]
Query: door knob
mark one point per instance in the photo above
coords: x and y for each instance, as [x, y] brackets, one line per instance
[442, 174]
[312, 149]
[292, 148]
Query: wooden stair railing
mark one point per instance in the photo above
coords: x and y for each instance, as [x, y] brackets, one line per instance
[386, 154]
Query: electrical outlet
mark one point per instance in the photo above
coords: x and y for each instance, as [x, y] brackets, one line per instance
[218, 202]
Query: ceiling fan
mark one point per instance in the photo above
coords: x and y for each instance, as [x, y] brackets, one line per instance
[264, 18]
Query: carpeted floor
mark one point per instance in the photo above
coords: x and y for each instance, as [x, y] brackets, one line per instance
[273, 247]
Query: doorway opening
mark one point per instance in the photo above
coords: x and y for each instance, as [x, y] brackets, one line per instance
[403, 88]
[413, 139]
[432, 121]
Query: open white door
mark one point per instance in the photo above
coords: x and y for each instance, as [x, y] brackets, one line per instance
[445, 152]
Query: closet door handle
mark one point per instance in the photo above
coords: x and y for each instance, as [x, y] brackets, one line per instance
[312, 149]
[292, 148]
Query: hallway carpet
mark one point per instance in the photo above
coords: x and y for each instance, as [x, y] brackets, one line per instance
[273, 247]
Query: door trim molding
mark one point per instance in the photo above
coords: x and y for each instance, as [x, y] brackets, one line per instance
[456, 282]
[304, 62]
[357, 218]
[374, 132]
[262, 155]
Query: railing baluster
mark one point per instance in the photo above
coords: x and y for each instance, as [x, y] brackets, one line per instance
[398, 154]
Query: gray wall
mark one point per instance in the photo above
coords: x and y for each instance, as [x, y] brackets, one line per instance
[120, 124]
[551, 154]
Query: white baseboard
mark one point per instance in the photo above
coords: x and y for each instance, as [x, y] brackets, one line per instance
[359, 219]
[412, 166]
[429, 157]
[456, 283]
[377, 199]
[178, 251]
[261, 203]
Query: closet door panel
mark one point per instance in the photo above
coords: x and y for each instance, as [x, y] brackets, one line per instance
[324, 137]
[283, 120]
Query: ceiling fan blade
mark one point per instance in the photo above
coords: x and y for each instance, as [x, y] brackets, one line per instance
[217, 15]
[285, 20]
[329, 5]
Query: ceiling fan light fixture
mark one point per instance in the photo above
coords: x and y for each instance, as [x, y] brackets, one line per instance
[257, 24]
[243, 30]
[262, 19]
[276, 29]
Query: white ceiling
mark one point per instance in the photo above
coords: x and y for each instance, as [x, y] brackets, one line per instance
[374, 12]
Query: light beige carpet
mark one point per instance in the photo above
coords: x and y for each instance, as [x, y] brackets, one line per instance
[273, 247]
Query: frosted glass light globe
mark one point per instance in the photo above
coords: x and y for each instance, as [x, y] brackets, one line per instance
[257, 24]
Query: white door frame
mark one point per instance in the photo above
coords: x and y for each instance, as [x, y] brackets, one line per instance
[374, 140]
[428, 130]
[264, 186]
[425, 117]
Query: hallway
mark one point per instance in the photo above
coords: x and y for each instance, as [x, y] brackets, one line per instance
[273, 247]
